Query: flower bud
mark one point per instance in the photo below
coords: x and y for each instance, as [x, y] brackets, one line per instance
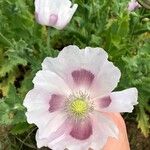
[54, 13]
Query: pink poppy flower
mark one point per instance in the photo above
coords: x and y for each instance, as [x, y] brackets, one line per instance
[71, 98]
[54, 13]
[133, 4]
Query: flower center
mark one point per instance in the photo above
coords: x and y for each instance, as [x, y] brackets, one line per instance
[79, 107]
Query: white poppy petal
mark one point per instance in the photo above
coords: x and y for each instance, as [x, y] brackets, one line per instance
[37, 99]
[91, 59]
[106, 80]
[105, 75]
[66, 17]
[51, 64]
[51, 82]
[65, 142]
[78, 67]
[37, 102]
[40, 118]
[95, 58]
[54, 138]
[53, 125]
[41, 142]
[104, 128]
[72, 58]
[122, 101]
[40, 103]
[66, 60]
[64, 64]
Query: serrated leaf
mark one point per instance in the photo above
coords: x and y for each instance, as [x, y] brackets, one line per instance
[14, 57]
[143, 122]
[11, 109]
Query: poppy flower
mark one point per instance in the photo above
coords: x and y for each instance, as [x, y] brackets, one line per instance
[71, 99]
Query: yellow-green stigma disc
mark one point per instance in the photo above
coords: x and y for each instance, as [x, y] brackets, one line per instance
[79, 107]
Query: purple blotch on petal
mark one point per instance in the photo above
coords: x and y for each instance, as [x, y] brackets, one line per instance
[53, 19]
[81, 130]
[105, 102]
[55, 102]
[83, 76]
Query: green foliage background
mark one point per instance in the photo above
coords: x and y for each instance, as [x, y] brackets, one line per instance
[97, 23]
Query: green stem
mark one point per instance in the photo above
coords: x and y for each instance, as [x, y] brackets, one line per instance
[48, 38]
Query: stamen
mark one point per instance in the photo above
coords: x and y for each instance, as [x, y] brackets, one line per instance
[79, 105]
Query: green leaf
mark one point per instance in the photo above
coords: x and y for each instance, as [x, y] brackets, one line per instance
[143, 122]
[14, 57]
[20, 128]
[11, 109]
